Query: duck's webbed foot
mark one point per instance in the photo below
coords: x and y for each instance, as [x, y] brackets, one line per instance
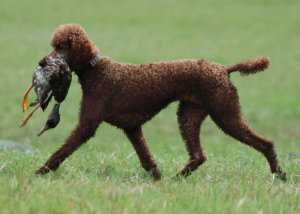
[53, 119]
[25, 98]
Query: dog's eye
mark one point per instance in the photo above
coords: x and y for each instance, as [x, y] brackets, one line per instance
[59, 47]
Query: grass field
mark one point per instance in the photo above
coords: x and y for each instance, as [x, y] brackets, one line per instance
[105, 176]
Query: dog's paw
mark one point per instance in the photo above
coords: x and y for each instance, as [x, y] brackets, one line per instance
[155, 173]
[42, 170]
[281, 175]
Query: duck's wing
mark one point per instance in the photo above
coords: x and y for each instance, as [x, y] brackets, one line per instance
[60, 85]
[60, 80]
[47, 101]
[40, 81]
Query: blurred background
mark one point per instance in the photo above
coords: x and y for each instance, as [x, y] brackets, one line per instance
[140, 31]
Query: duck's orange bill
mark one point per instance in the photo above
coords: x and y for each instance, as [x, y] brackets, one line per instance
[25, 120]
[25, 98]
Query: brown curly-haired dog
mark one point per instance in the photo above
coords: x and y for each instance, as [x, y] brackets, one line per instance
[127, 96]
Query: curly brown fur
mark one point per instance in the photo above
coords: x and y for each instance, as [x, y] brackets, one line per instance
[127, 96]
[250, 67]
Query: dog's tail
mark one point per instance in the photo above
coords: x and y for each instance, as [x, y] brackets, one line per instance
[250, 66]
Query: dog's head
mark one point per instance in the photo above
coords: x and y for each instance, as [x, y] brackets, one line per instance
[71, 42]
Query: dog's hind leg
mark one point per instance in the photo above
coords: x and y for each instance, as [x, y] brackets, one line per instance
[227, 115]
[190, 117]
[136, 138]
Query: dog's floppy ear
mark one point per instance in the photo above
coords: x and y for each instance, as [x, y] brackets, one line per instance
[71, 41]
[77, 40]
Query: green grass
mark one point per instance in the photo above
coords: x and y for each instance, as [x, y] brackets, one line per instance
[104, 176]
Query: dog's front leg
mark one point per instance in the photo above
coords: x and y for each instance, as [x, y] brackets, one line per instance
[90, 118]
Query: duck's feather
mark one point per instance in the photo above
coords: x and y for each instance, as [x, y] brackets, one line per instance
[52, 79]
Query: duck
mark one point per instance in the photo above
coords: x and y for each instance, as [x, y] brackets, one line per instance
[50, 79]
[52, 120]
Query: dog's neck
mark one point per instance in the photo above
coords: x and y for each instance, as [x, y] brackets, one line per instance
[95, 60]
[83, 62]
